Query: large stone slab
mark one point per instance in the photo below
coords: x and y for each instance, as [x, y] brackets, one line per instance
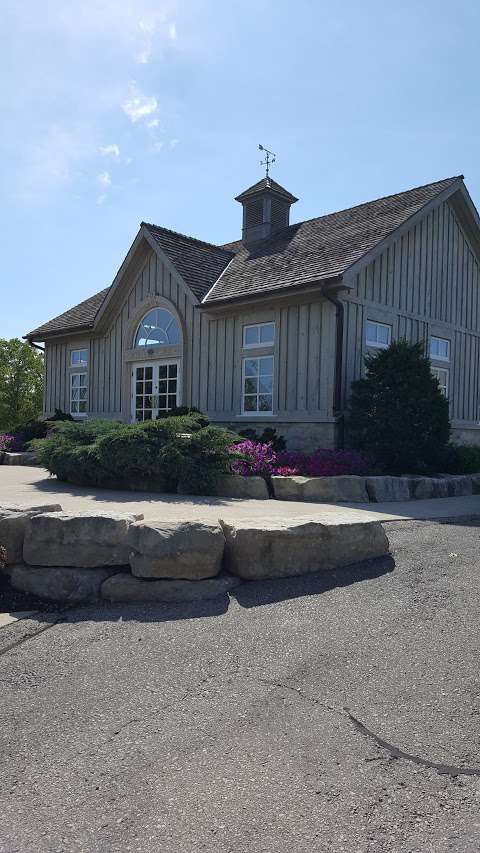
[13, 524]
[387, 488]
[320, 489]
[459, 485]
[257, 549]
[84, 540]
[235, 486]
[423, 488]
[126, 588]
[65, 585]
[191, 550]
[26, 457]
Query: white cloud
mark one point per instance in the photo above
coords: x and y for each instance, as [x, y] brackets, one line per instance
[104, 178]
[157, 146]
[172, 31]
[139, 106]
[173, 143]
[100, 199]
[154, 123]
[109, 150]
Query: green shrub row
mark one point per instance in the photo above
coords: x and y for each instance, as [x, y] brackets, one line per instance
[182, 453]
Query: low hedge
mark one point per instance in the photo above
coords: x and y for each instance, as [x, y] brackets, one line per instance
[180, 453]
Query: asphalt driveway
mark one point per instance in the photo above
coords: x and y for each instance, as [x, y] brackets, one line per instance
[224, 727]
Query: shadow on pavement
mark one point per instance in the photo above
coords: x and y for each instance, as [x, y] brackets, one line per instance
[249, 594]
[258, 593]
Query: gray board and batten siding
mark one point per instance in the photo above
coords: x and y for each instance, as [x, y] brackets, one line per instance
[424, 283]
[210, 353]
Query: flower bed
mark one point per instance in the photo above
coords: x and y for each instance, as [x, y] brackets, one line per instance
[255, 459]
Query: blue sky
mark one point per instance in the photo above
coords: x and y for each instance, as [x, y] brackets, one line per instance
[116, 111]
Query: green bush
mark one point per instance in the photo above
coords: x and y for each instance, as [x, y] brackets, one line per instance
[169, 454]
[268, 436]
[398, 413]
[461, 459]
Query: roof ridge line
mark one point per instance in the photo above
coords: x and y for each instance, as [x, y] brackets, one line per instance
[186, 237]
[353, 207]
[373, 200]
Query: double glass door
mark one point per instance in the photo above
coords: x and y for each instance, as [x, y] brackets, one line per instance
[155, 388]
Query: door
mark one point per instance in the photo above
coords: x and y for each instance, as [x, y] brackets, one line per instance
[155, 388]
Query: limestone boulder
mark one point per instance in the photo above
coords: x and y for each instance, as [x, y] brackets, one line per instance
[125, 588]
[235, 486]
[257, 549]
[460, 485]
[65, 585]
[83, 540]
[191, 550]
[13, 525]
[421, 487]
[320, 489]
[388, 489]
[26, 457]
[475, 480]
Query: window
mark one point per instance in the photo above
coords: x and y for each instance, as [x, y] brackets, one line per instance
[78, 394]
[440, 349]
[378, 334]
[158, 328]
[79, 358]
[257, 385]
[259, 335]
[441, 374]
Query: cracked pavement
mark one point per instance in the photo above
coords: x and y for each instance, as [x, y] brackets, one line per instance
[223, 726]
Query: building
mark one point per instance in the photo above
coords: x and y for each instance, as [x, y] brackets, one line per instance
[272, 329]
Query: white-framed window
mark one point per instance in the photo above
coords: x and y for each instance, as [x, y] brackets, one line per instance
[257, 392]
[78, 358]
[378, 334]
[440, 349]
[78, 394]
[158, 328]
[441, 373]
[259, 335]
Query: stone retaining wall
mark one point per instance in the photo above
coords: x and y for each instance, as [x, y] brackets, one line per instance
[85, 557]
[373, 489]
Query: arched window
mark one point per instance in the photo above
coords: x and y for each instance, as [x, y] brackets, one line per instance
[158, 328]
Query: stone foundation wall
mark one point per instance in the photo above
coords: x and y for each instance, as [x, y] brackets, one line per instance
[304, 436]
[466, 435]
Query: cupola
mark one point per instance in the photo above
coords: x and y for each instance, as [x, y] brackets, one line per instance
[266, 210]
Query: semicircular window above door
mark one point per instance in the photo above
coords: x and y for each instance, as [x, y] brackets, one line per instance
[158, 328]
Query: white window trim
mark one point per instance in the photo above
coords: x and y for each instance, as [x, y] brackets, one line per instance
[376, 344]
[447, 383]
[79, 373]
[80, 363]
[258, 326]
[440, 357]
[256, 414]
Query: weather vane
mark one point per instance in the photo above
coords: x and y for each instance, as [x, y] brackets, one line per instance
[270, 158]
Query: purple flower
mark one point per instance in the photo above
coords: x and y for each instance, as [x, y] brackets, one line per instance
[253, 459]
[7, 441]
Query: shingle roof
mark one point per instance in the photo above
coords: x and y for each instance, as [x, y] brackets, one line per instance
[199, 263]
[82, 316]
[320, 248]
[310, 251]
[266, 184]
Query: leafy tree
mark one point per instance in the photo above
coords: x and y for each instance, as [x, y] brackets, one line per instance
[398, 412]
[21, 383]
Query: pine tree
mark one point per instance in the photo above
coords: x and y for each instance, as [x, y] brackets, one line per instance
[398, 412]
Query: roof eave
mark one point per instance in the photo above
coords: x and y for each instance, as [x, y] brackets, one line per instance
[58, 333]
[279, 292]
